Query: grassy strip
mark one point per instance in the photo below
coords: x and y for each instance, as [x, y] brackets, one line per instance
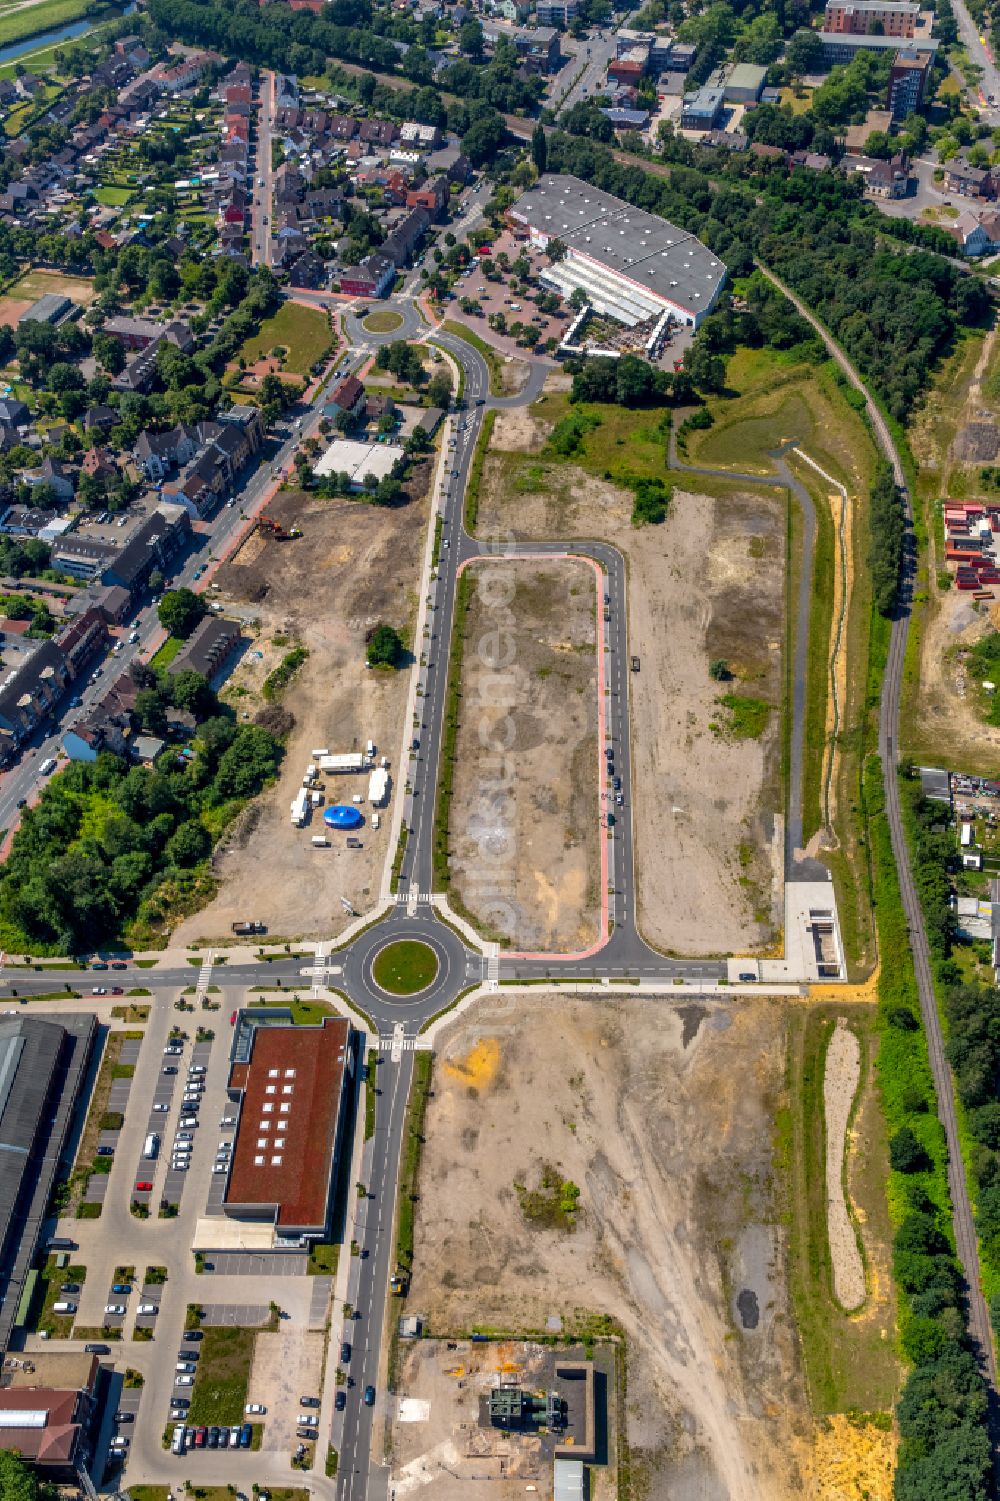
[409, 1171]
[219, 1393]
[86, 1156]
[166, 653]
[277, 681]
[19, 25]
[493, 361]
[825, 562]
[476, 474]
[371, 1063]
[436, 550]
[449, 739]
[848, 1365]
[397, 859]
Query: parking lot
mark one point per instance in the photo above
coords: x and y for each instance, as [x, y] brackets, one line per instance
[251, 1264]
[286, 1367]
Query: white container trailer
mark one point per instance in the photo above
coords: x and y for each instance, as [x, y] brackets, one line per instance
[300, 807]
[353, 761]
[378, 787]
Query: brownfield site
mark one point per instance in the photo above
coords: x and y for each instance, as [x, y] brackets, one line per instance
[523, 832]
[355, 565]
[662, 1116]
[443, 1438]
[708, 584]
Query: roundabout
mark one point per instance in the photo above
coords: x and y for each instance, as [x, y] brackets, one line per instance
[405, 967]
[382, 321]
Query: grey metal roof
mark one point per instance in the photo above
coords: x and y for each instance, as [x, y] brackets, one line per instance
[648, 250]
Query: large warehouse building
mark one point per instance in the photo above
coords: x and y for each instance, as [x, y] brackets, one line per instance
[631, 265]
[42, 1066]
[292, 1085]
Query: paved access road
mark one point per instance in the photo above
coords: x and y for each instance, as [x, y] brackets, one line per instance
[263, 185]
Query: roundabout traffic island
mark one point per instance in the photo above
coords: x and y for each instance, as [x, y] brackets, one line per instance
[405, 967]
[383, 321]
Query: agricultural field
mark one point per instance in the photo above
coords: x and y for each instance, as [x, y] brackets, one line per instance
[539, 1127]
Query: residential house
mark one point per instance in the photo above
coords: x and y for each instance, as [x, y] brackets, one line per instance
[99, 419]
[27, 696]
[82, 638]
[404, 239]
[372, 278]
[151, 546]
[347, 396]
[209, 646]
[882, 179]
[100, 465]
[158, 453]
[432, 196]
[309, 271]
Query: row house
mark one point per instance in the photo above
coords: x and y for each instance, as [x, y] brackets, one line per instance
[406, 236]
[28, 694]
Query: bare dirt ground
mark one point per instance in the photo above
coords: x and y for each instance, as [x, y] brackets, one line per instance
[840, 1083]
[443, 1444]
[355, 565]
[524, 828]
[707, 584]
[663, 1116]
[950, 722]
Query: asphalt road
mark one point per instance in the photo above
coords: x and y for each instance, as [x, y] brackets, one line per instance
[263, 197]
[983, 58]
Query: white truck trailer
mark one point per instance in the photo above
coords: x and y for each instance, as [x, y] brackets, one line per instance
[300, 807]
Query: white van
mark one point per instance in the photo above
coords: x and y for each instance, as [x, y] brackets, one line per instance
[47, 766]
[319, 842]
[151, 1148]
[376, 820]
[64, 1308]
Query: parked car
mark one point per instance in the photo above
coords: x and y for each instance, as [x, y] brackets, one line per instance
[99, 990]
[124, 1417]
[340, 1401]
[195, 1334]
[200, 1434]
[246, 1434]
[345, 1351]
[149, 1308]
[105, 1151]
[114, 1308]
[185, 1367]
[121, 1287]
[255, 1407]
[184, 1381]
[142, 1187]
[308, 1401]
[369, 1396]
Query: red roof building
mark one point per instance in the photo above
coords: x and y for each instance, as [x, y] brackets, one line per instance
[293, 1104]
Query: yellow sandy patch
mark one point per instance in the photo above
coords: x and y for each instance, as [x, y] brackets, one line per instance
[478, 1067]
[851, 1461]
[866, 993]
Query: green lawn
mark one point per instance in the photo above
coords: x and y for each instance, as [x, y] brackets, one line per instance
[167, 652]
[303, 331]
[219, 1393]
[113, 197]
[382, 322]
[406, 967]
[17, 25]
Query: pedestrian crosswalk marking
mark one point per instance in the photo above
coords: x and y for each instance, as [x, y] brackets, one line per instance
[387, 1043]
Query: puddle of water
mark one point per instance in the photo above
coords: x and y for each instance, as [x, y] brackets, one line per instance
[749, 1308]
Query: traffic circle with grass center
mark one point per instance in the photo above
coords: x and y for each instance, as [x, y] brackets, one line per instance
[406, 966]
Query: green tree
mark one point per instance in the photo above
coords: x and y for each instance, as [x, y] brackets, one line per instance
[17, 1482]
[189, 845]
[180, 610]
[906, 1155]
[439, 389]
[539, 148]
[385, 647]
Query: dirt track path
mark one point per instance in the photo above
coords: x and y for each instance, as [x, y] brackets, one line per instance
[840, 1084]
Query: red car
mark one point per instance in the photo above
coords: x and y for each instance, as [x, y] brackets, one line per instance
[143, 1188]
[117, 990]
[199, 1437]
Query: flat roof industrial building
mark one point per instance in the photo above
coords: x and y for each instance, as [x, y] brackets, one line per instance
[42, 1066]
[359, 460]
[292, 1083]
[632, 265]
